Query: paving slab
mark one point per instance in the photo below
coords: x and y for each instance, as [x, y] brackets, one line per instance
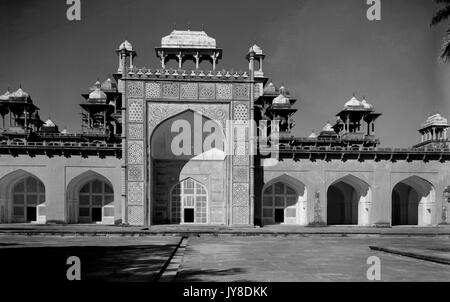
[31, 258]
[208, 230]
[305, 259]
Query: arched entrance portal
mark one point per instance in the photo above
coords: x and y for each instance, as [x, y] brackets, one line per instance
[412, 202]
[189, 201]
[28, 200]
[284, 202]
[349, 201]
[90, 199]
[186, 160]
[96, 202]
[22, 198]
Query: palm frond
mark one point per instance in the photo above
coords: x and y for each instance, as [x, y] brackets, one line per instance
[445, 48]
[441, 15]
[441, 1]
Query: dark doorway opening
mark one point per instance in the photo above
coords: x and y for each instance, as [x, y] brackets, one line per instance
[96, 214]
[31, 214]
[279, 215]
[188, 215]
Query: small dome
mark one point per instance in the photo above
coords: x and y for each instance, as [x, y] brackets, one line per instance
[19, 94]
[188, 39]
[97, 94]
[256, 49]
[281, 99]
[5, 96]
[353, 102]
[435, 120]
[108, 85]
[366, 105]
[312, 135]
[328, 127]
[49, 123]
[65, 131]
[270, 88]
[126, 45]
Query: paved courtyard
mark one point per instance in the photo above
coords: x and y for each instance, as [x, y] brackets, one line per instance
[31, 258]
[220, 258]
[305, 259]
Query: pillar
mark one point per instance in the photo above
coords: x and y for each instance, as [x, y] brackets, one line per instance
[180, 60]
[197, 60]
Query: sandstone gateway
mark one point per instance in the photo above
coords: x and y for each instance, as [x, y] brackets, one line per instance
[120, 168]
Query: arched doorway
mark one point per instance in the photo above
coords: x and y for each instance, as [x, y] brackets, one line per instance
[96, 202]
[90, 199]
[284, 202]
[185, 146]
[22, 198]
[28, 200]
[189, 201]
[412, 202]
[348, 202]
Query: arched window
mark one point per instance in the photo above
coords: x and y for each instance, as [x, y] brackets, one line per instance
[189, 202]
[96, 202]
[28, 200]
[280, 203]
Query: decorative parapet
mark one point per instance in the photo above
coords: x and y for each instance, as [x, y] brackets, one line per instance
[180, 74]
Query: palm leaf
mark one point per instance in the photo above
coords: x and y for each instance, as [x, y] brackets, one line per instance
[445, 48]
[440, 16]
[441, 1]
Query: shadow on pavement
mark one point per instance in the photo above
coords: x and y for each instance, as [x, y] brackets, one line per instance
[200, 275]
[98, 263]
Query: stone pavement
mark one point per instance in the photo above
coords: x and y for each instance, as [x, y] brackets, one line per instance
[200, 230]
[32, 258]
[305, 259]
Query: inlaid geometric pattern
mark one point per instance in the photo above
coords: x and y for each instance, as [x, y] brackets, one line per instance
[241, 130]
[224, 91]
[240, 174]
[157, 112]
[188, 91]
[135, 89]
[240, 112]
[257, 90]
[170, 90]
[136, 152]
[135, 172]
[240, 148]
[207, 91]
[240, 194]
[152, 90]
[241, 92]
[240, 160]
[240, 215]
[136, 193]
[135, 131]
[136, 215]
[135, 110]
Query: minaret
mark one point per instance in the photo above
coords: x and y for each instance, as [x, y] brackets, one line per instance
[258, 56]
[125, 51]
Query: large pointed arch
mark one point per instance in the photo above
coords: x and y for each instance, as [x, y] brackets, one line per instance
[158, 128]
[73, 196]
[413, 202]
[284, 200]
[349, 201]
[168, 167]
[8, 186]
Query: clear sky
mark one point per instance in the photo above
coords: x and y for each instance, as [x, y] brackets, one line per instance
[321, 50]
